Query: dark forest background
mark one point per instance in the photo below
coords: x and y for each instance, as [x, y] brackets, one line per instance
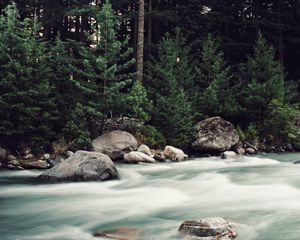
[238, 59]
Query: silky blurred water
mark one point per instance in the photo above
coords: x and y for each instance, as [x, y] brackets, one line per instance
[261, 195]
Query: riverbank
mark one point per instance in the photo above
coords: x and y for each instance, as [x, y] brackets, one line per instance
[260, 195]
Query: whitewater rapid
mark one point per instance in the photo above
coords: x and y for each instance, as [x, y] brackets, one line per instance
[260, 195]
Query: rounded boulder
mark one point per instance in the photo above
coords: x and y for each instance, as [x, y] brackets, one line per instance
[115, 144]
[83, 166]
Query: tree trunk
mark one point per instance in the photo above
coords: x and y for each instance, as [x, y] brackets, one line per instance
[140, 41]
[150, 26]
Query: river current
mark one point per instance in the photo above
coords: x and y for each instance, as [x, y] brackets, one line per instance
[260, 195]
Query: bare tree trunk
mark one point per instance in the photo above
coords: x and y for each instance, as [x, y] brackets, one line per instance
[140, 41]
[150, 26]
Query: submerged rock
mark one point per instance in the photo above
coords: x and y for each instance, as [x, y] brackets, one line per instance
[208, 229]
[121, 234]
[137, 157]
[228, 154]
[115, 144]
[83, 166]
[215, 135]
[175, 154]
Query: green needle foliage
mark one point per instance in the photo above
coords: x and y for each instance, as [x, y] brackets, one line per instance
[170, 79]
[26, 95]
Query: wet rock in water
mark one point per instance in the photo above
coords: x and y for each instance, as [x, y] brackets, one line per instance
[228, 154]
[14, 165]
[208, 229]
[36, 165]
[145, 149]
[121, 234]
[115, 144]
[175, 154]
[297, 162]
[215, 135]
[137, 157]
[83, 166]
[250, 150]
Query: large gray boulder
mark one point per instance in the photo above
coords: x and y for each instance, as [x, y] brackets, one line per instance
[83, 166]
[215, 135]
[208, 229]
[137, 157]
[115, 144]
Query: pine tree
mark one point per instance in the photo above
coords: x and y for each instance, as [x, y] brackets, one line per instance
[26, 104]
[218, 96]
[263, 81]
[113, 60]
[170, 79]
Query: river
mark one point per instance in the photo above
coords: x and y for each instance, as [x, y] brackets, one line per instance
[261, 195]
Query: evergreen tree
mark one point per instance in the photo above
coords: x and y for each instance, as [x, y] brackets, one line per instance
[262, 81]
[169, 77]
[26, 103]
[112, 60]
[218, 96]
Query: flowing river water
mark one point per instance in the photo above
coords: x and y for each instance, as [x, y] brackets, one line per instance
[261, 195]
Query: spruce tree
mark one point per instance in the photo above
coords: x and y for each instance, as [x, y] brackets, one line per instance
[218, 96]
[26, 102]
[262, 81]
[170, 79]
[113, 61]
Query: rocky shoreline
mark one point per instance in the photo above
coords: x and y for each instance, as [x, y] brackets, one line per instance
[215, 137]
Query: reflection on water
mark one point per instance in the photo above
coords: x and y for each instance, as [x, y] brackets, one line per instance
[260, 195]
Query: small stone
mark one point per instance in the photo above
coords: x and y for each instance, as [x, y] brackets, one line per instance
[35, 165]
[46, 156]
[175, 154]
[228, 154]
[250, 150]
[137, 157]
[159, 156]
[240, 151]
[13, 167]
[11, 158]
[14, 162]
[145, 149]
[28, 156]
[70, 153]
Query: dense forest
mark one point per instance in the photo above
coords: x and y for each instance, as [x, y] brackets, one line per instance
[67, 65]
